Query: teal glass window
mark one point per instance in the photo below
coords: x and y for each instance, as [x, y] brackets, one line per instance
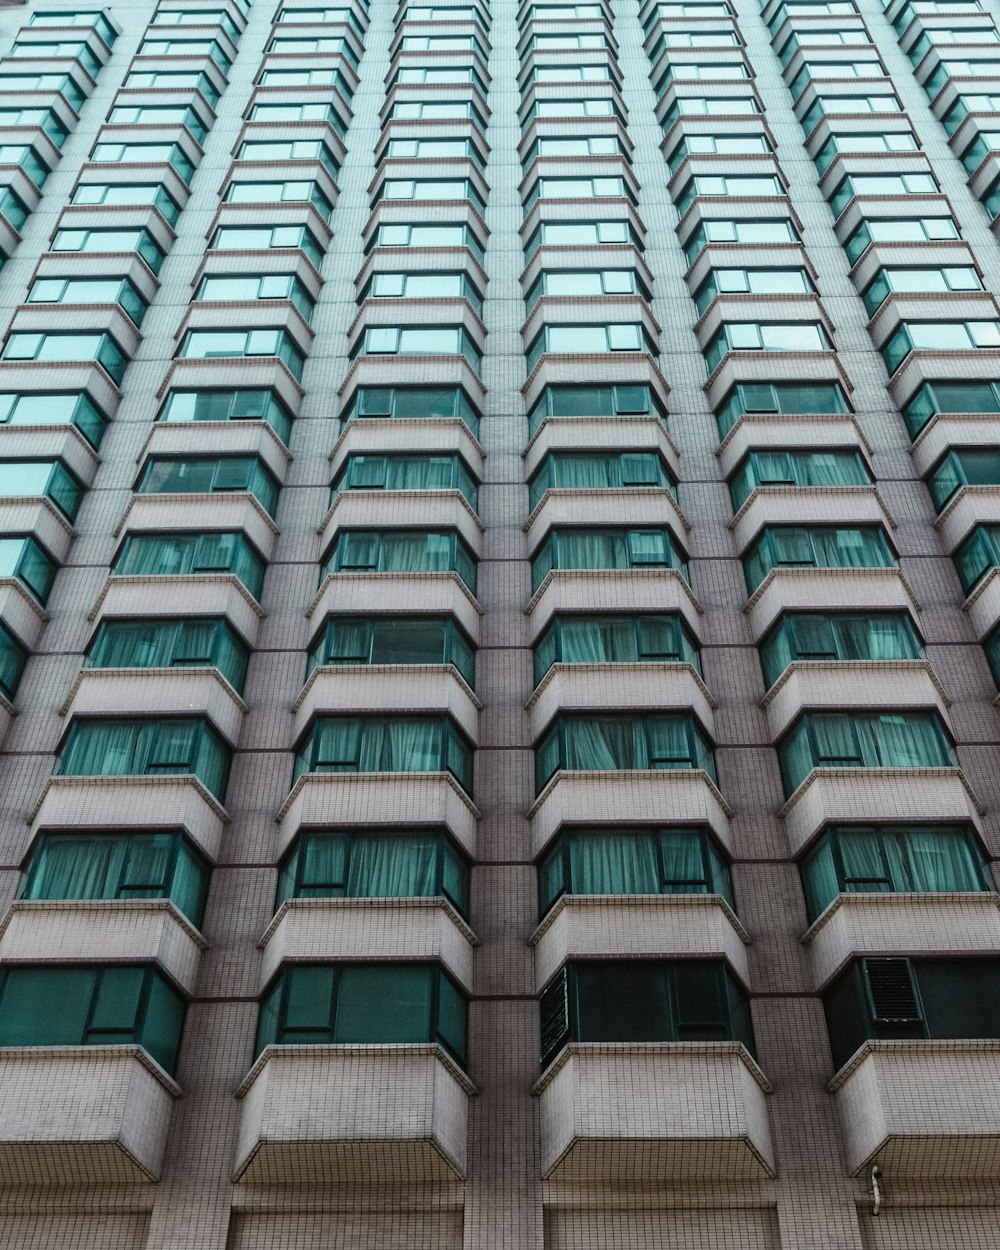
[935, 398]
[436, 285]
[297, 190]
[912, 998]
[899, 230]
[632, 861]
[42, 119]
[837, 636]
[171, 154]
[182, 642]
[440, 340]
[443, 234]
[597, 188]
[643, 1000]
[118, 866]
[417, 403]
[751, 282]
[857, 859]
[818, 547]
[384, 744]
[273, 152]
[363, 1004]
[13, 208]
[229, 405]
[879, 186]
[637, 400]
[393, 640]
[27, 562]
[211, 475]
[979, 553]
[196, 17]
[963, 466]
[709, 106]
[26, 158]
[607, 549]
[254, 238]
[752, 336]
[383, 864]
[862, 740]
[796, 468]
[324, 77]
[281, 286]
[285, 114]
[81, 17]
[49, 479]
[55, 408]
[65, 84]
[406, 472]
[848, 106]
[76, 50]
[173, 80]
[579, 742]
[164, 115]
[400, 551]
[147, 748]
[180, 555]
[589, 340]
[102, 242]
[929, 280]
[596, 471]
[63, 348]
[191, 49]
[437, 189]
[431, 150]
[863, 144]
[13, 658]
[438, 111]
[703, 186]
[83, 1005]
[774, 230]
[573, 283]
[242, 344]
[583, 234]
[120, 291]
[991, 645]
[717, 145]
[615, 640]
[940, 336]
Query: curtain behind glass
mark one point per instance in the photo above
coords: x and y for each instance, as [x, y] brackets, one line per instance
[77, 867]
[597, 642]
[922, 860]
[614, 863]
[107, 750]
[605, 744]
[122, 644]
[392, 867]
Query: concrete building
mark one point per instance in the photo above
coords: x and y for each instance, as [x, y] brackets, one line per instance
[499, 625]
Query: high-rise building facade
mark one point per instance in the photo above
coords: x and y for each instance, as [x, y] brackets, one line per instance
[499, 625]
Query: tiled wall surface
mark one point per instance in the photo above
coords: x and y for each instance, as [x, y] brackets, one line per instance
[692, 1144]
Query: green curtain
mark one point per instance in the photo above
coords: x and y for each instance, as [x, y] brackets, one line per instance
[588, 641]
[614, 863]
[393, 867]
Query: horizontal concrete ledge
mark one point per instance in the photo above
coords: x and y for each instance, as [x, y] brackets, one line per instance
[922, 1109]
[92, 1114]
[649, 1111]
[584, 926]
[380, 800]
[353, 1113]
[877, 795]
[956, 923]
[403, 927]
